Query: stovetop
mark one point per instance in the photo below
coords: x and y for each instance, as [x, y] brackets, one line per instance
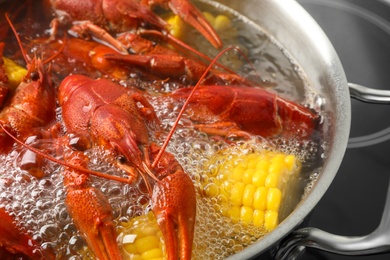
[360, 32]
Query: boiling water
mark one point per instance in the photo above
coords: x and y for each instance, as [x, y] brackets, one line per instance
[38, 204]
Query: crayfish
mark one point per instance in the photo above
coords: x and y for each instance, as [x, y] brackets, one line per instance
[108, 114]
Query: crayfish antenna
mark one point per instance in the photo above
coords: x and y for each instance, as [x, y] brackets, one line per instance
[63, 163]
[181, 112]
[24, 54]
[17, 39]
[185, 47]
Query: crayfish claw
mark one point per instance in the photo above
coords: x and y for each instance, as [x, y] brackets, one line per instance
[190, 14]
[174, 205]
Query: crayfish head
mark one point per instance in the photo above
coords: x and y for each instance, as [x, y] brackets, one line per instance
[69, 85]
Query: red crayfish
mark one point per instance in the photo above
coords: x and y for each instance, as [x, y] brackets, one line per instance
[109, 114]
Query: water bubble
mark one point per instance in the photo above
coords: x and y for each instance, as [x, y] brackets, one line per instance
[76, 243]
[49, 231]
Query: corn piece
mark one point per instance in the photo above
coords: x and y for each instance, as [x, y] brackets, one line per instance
[236, 193]
[270, 220]
[143, 238]
[248, 195]
[260, 198]
[274, 197]
[152, 254]
[251, 185]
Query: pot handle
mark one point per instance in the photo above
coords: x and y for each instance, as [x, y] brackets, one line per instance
[373, 96]
[365, 94]
[376, 242]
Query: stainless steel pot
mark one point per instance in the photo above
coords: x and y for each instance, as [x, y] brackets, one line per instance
[290, 25]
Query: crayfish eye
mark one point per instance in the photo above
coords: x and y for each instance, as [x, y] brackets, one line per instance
[122, 160]
[34, 76]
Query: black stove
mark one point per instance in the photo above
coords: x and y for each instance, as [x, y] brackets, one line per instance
[360, 32]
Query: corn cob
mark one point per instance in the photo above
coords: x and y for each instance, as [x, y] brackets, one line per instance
[142, 238]
[250, 187]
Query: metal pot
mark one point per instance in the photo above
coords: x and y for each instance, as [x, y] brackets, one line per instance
[291, 26]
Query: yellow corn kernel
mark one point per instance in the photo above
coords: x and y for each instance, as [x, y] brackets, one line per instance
[247, 176]
[252, 160]
[291, 162]
[145, 231]
[248, 195]
[144, 244]
[238, 171]
[260, 198]
[15, 72]
[130, 248]
[211, 190]
[258, 178]
[209, 17]
[276, 167]
[234, 213]
[236, 193]
[246, 214]
[263, 165]
[222, 22]
[278, 158]
[272, 180]
[152, 254]
[258, 218]
[242, 163]
[225, 189]
[270, 220]
[274, 197]
[176, 26]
